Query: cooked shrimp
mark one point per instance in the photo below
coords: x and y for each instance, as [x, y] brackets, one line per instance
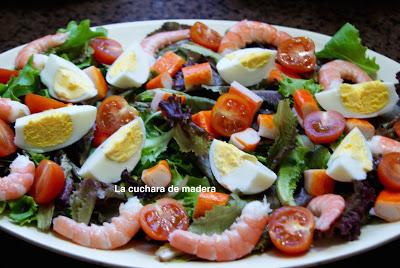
[334, 72]
[234, 243]
[158, 41]
[37, 47]
[20, 179]
[380, 145]
[246, 32]
[108, 236]
[326, 208]
[12, 110]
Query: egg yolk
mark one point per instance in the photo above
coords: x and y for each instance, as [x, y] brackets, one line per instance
[125, 143]
[255, 60]
[355, 145]
[227, 157]
[48, 130]
[126, 64]
[70, 85]
[364, 98]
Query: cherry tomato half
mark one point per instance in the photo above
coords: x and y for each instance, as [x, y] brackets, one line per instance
[159, 219]
[113, 113]
[231, 114]
[389, 171]
[106, 50]
[324, 127]
[48, 183]
[5, 75]
[396, 128]
[7, 145]
[297, 54]
[203, 35]
[291, 229]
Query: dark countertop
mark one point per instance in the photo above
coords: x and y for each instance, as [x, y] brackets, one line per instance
[378, 23]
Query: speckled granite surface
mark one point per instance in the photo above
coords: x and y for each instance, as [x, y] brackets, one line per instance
[379, 23]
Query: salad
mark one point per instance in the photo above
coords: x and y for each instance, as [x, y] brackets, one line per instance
[209, 146]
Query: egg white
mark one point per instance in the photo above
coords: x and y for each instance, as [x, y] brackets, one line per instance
[330, 100]
[99, 167]
[131, 79]
[248, 178]
[230, 68]
[82, 116]
[48, 75]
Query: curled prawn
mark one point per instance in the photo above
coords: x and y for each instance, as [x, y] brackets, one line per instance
[37, 47]
[381, 145]
[246, 32]
[155, 42]
[333, 73]
[108, 236]
[12, 110]
[326, 208]
[20, 179]
[234, 243]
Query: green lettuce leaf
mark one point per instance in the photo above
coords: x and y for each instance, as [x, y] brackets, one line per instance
[37, 157]
[346, 45]
[83, 201]
[76, 47]
[287, 86]
[3, 205]
[318, 158]
[286, 122]
[155, 146]
[27, 81]
[201, 50]
[219, 218]
[290, 172]
[45, 216]
[191, 140]
[23, 210]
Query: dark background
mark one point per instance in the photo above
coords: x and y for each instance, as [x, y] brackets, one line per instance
[378, 23]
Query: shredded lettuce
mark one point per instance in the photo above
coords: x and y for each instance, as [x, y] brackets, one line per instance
[287, 86]
[23, 210]
[27, 81]
[218, 219]
[346, 45]
[286, 122]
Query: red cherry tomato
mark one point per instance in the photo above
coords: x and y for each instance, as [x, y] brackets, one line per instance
[106, 50]
[5, 75]
[291, 229]
[204, 36]
[159, 219]
[48, 183]
[389, 171]
[113, 113]
[231, 114]
[324, 127]
[297, 54]
[396, 128]
[7, 145]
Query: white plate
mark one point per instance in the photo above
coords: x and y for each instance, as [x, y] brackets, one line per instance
[139, 254]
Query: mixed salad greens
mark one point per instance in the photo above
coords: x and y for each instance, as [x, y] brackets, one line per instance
[196, 133]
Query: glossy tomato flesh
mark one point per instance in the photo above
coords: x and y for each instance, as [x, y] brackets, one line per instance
[297, 54]
[7, 145]
[204, 36]
[324, 127]
[389, 171]
[48, 183]
[159, 219]
[231, 114]
[106, 50]
[291, 229]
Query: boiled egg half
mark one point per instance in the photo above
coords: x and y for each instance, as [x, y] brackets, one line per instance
[120, 151]
[54, 129]
[363, 100]
[352, 159]
[130, 70]
[66, 82]
[247, 66]
[238, 171]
